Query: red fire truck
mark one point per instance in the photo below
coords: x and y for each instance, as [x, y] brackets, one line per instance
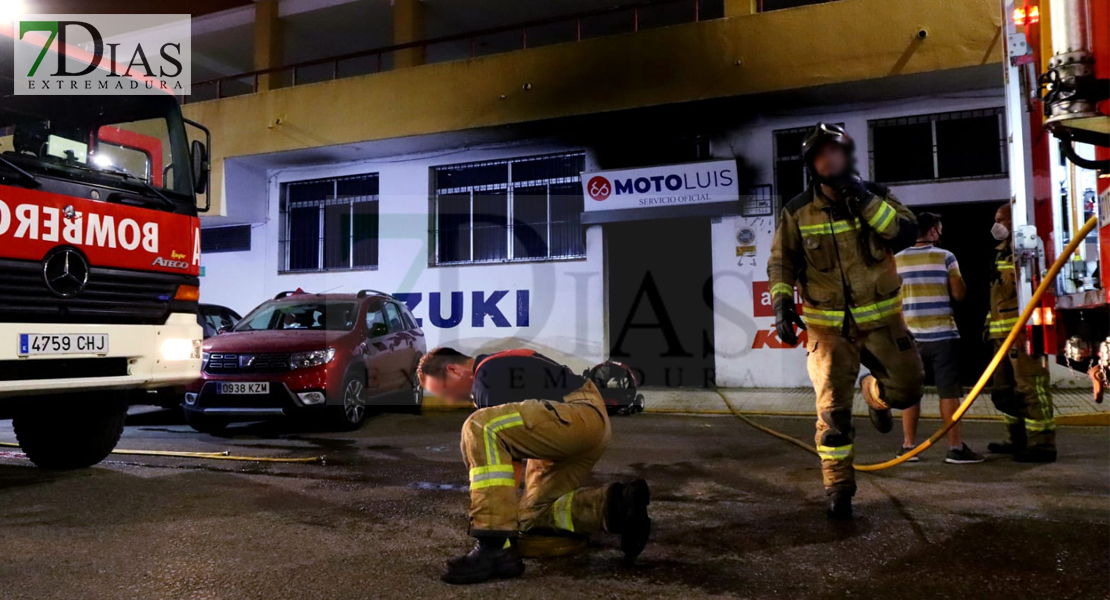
[99, 264]
[1058, 112]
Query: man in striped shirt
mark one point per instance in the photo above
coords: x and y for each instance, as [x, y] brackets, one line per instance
[930, 281]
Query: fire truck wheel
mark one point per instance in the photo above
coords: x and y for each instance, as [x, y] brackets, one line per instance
[76, 435]
[205, 424]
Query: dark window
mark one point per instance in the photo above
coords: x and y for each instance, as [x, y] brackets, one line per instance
[943, 146]
[790, 169]
[766, 5]
[330, 224]
[511, 210]
[236, 238]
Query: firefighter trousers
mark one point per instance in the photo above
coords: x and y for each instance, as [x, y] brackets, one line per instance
[561, 442]
[1021, 393]
[833, 361]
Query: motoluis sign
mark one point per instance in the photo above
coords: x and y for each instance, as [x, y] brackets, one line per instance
[671, 185]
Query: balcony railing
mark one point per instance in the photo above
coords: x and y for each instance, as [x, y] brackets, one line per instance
[625, 18]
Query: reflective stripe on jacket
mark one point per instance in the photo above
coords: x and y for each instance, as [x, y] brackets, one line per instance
[1005, 309]
[817, 247]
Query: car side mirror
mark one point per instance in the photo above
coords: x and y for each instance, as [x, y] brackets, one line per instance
[224, 329]
[378, 330]
[199, 155]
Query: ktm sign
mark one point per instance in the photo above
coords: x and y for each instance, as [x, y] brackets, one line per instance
[769, 338]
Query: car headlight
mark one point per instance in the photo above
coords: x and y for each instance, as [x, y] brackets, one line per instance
[204, 359]
[180, 349]
[314, 358]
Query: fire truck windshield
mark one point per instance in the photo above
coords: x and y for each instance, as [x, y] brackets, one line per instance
[132, 143]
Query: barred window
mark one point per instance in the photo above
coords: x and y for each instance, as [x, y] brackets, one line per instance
[790, 169]
[329, 224]
[968, 144]
[508, 210]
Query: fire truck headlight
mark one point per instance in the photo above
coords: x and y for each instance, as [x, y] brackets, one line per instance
[180, 349]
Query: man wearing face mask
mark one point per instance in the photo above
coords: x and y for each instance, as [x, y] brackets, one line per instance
[836, 241]
[1021, 384]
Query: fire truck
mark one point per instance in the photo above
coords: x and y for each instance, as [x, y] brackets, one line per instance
[1057, 72]
[99, 263]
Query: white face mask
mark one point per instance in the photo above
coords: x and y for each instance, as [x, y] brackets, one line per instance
[1000, 232]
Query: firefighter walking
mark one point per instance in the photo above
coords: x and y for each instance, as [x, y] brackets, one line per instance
[836, 241]
[1021, 383]
[531, 407]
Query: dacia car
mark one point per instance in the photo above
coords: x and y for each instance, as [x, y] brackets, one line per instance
[301, 355]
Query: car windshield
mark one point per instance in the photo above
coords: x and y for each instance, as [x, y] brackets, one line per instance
[330, 316]
[125, 141]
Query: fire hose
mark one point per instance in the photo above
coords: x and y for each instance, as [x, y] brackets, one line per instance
[973, 395]
[225, 455]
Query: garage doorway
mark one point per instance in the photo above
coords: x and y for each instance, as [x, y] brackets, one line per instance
[967, 235]
[660, 299]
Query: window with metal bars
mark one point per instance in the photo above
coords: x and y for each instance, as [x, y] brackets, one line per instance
[522, 209]
[969, 144]
[790, 169]
[329, 224]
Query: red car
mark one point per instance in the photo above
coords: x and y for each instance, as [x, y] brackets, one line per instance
[331, 355]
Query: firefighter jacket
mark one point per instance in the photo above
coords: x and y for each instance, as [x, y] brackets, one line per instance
[1005, 308]
[842, 262]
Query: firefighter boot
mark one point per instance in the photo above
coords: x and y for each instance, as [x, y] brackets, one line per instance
[840, 506]
[492, 557]
[1017, 442]
[628, 516]
[876, 408]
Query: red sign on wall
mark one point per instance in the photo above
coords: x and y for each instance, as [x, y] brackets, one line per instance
[761, 300]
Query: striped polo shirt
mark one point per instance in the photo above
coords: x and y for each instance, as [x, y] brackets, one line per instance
[925, 301]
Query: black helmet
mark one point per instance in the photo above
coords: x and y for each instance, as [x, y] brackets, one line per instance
[822, 133]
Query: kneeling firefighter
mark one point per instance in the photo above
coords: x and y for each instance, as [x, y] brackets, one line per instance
[531, 407]
[837, 241]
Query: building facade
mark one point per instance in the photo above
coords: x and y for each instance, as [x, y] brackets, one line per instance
[486, 230]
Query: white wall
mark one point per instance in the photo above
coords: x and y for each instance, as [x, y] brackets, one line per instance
[566, 304]
[564, 298]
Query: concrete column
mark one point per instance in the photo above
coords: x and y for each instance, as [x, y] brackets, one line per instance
[268, 43]
[408, 26]
[735, 8]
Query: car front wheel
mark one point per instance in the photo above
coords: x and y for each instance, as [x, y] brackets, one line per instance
[349, 414]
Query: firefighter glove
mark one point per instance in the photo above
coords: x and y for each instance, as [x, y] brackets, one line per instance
[786, 317]
[855, 192]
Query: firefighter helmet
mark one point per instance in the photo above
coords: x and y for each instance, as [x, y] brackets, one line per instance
[820, 135]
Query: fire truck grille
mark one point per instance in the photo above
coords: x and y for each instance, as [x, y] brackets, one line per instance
[229, 364]
[111, 296]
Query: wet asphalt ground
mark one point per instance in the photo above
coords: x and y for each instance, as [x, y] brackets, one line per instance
[737, 513]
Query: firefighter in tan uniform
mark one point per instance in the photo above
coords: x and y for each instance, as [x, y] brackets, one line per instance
[531, 407]
[836, 241]
[1021, 383]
